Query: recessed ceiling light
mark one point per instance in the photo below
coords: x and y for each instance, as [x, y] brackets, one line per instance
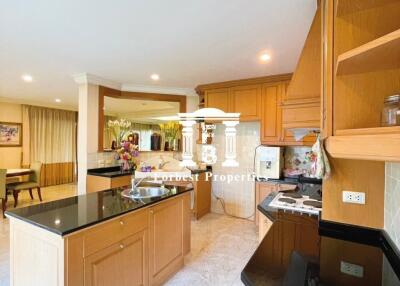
[265, 57]
[27, 78]
[57, 100]
[155, 76]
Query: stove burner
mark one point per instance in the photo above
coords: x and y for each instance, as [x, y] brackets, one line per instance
[316, 197]
[292, 195]
[314, 204]
[287, 200]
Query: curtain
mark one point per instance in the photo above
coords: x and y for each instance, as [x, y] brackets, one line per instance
[52, 141]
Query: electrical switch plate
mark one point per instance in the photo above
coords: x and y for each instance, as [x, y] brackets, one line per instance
[354, 197]
[352, 269]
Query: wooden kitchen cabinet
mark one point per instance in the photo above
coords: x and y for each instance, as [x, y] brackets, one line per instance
[123, 263]
[144, 247]
[168, 241]
[246, 100]
[271, 114]
[218, 98]
[263, 189]
[273, 130]
[99, 183]
[202, 196]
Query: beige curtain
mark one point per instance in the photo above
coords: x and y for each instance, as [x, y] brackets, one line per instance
[52, 141]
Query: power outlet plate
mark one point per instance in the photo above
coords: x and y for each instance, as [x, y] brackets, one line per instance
[351, 269]
[354, 197]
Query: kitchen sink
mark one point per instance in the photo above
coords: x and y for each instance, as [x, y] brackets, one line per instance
[145, 192]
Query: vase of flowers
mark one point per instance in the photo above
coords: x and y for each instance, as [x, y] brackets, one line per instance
[126, 154]
[170, 131]
[119, 128]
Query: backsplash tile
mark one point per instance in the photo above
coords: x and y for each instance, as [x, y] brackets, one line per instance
[392, 199]
[298, 158]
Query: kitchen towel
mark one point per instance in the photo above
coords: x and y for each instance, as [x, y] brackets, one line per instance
[321, 168]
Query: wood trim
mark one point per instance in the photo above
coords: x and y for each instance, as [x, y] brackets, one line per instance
[106, 91]
[200, 89]
[377, 147]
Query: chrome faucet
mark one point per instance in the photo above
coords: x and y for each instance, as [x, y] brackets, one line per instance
[135, 185]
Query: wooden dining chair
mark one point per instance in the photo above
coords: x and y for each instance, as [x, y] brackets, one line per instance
[32, 183]
[3, 191]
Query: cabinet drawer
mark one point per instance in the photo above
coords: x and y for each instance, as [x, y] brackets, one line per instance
[113, 231]
[121, 181]
[301, 116]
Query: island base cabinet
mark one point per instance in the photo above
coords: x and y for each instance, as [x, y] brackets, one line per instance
[123, 263]
[169, 240]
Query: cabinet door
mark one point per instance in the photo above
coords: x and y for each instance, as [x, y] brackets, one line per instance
[202, 196]
[246, 100]
[166, 240]
[262, 191]
[124, 263]
[271, 124]
[217, 98]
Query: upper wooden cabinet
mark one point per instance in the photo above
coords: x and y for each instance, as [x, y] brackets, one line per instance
[239, 96]
[361, 67]
[273, 130]
[271, 120]
[217, 98]
[301, 104]
[246, 100]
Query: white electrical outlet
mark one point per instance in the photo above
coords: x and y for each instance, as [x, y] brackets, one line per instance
[354, 197]
[352, 269]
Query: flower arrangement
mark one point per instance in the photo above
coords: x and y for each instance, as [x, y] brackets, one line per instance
[170, 131]
[126, 153]
[119, 128]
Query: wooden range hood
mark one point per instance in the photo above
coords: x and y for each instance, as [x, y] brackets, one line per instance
[301, 104]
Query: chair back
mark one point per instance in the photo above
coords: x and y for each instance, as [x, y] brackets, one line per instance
[36, 167]
[3, 173]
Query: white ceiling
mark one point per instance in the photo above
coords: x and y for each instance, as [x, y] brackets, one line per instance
[186, 42]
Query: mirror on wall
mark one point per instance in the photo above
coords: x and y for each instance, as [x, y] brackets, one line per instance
[151, 125]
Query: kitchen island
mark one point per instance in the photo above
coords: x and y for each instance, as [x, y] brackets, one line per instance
[100, 238]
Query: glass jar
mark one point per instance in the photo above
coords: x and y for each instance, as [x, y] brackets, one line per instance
[391, 111]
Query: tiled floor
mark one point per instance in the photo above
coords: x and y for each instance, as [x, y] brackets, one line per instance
[48, 194]
[221, 245]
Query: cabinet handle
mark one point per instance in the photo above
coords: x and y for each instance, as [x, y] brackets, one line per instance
[121, 222]
[121, 246]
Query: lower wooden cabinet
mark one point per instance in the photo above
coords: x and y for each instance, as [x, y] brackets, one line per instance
[166, 240]
[98, 183]
[123, 263]
[144, 247]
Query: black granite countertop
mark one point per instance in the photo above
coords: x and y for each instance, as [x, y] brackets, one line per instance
[71, 214]
[109, 172]
[300, 250]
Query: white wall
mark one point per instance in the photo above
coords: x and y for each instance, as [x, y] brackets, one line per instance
[238, 196]
[392, 201]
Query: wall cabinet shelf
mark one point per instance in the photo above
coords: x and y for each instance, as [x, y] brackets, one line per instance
[378, 144]
[380, 54]
[344, 7]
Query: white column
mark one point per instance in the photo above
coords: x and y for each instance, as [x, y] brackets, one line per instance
[230, 144]
[88, 119]
[187, 144]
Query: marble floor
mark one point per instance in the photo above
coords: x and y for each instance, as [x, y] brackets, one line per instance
[221, 245]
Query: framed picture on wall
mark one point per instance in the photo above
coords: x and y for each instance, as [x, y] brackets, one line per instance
[10, 134]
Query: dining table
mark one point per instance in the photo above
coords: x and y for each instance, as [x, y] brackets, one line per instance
[18, 172]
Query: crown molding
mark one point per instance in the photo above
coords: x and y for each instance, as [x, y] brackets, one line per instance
[247, 81]
[87, 78]
[37, 103]
[158, 89]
